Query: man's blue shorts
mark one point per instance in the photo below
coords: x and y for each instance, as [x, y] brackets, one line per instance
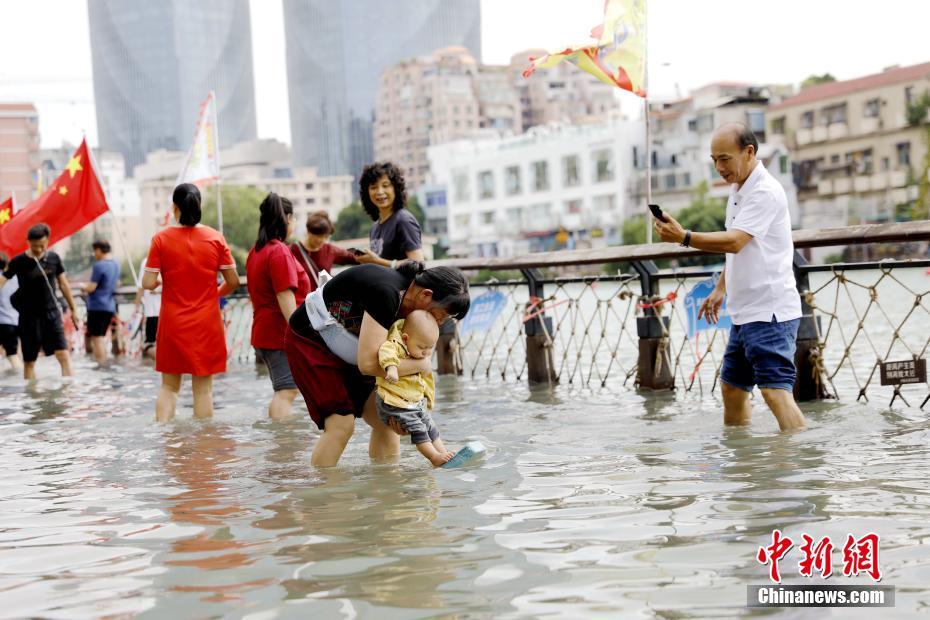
[762, 354]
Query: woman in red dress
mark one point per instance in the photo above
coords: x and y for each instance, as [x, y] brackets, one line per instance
[191, 338]
[277, 286]
[315, 253]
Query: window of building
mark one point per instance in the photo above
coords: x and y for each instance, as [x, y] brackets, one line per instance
[603, 165]
[309, 201]
[783, 164]
[326, 200]
[515, 215]
[487, 217]
[705, 122]
[807, 120]
[540, 212]
[872, 108]
[833, 114]
[606, 203]
[886, 163]
[308, 185]
[462, 221]
[670, 181]
[686, 179]
[835, 159]
[756, 120]
[908, 95]
[540, 176]
[571, 176]
[573, 207]
[778, 125]
[512, 180]
[460, 182]
[485, 185]
[903, 150]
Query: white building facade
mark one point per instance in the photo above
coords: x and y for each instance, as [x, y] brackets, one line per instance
[554, 187]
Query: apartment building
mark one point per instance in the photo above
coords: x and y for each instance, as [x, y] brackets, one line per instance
[855, 152]
[19, 151]
[263, 164]
[557, 186]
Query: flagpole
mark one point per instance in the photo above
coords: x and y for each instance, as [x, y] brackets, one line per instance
[648, 121]
[216, 149]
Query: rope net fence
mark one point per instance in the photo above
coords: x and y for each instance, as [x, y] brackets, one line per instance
[863, 318]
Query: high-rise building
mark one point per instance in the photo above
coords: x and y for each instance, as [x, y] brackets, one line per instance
[336, 52]
[19, 151]
[155, 62]
[427, 100]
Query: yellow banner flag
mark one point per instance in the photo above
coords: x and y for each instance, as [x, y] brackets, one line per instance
[619, 56]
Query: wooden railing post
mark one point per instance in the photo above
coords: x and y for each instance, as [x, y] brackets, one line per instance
[809, 384]
[447, 350]
[539, 334]
[654, 367]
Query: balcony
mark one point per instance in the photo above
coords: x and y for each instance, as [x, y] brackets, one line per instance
[837, 131]
[879, 181]
[842, 185]
[802, 136]
[898, 178]
[825, 187]
[870, 124]
[819, 133]
[862, 184]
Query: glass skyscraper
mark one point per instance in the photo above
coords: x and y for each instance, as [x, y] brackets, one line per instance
[336, 51]
[154, 63]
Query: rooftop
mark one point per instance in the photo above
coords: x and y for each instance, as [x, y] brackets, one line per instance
[832, 90]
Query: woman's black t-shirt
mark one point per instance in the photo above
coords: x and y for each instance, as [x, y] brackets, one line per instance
[373, 289]
[396, 236]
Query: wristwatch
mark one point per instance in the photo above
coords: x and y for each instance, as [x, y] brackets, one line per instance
[686, 242]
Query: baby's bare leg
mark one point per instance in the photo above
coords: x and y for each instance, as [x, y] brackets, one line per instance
[436, 457]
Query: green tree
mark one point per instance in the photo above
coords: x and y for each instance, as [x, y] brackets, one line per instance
[79, 256]
[240, 218]
[917, 116]
[352, 223]
[413, 205]
[814, 80]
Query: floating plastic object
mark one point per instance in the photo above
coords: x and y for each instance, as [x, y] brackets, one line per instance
[469, 452]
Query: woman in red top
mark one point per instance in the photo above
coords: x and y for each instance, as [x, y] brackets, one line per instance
[316, 254]
[191, 339]
[277, 286]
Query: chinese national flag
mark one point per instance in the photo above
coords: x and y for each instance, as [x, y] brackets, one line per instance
[74, 200]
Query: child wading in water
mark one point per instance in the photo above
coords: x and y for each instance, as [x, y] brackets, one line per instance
[403, 398]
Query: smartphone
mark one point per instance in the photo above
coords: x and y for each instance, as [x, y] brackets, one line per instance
[657, 213]
[356, 251]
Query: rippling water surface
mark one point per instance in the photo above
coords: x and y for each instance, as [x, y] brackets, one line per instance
[590, 504]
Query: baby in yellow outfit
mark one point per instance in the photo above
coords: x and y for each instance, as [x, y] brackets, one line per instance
[403, 398]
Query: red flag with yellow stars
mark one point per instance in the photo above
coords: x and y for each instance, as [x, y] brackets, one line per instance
[74, 200]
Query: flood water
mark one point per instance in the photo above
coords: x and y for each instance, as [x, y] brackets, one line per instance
[590, 504]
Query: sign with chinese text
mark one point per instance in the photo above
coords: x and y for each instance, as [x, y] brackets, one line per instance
[483, 311]
[907, 371]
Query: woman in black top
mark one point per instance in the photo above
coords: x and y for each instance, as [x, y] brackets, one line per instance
[395, 234]
[363, 301]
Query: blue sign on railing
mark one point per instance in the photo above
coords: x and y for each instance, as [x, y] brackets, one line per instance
[483, 311]
[693, 301]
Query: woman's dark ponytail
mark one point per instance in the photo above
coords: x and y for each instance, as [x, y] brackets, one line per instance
[186, 198]
[272, 224]
[411, 268]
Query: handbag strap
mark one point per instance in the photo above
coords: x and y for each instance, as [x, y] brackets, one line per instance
[313, 270]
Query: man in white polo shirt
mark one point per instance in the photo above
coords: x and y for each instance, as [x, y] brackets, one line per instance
[758, 281]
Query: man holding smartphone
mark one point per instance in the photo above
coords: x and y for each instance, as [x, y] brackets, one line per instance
[758, 281]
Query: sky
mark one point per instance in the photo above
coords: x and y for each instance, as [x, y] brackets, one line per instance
[45, 48]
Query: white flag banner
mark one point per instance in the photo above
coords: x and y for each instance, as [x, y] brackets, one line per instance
[202, 165]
